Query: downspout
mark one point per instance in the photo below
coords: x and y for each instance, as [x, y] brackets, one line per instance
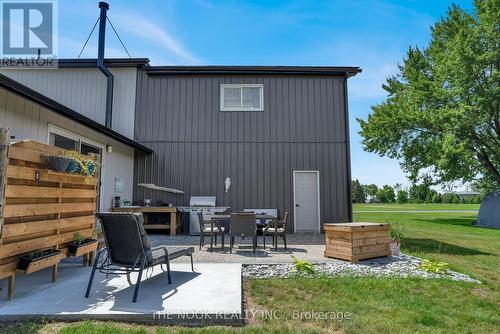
[100, 64]
[348, 151]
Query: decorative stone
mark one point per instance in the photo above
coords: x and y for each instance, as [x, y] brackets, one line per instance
[394, 266]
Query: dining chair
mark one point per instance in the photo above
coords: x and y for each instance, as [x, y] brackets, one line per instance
[212, 228]
[276, 228]
[242, 225]
[262, 223]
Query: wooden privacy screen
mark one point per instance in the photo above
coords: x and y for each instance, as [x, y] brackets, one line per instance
[42, 209]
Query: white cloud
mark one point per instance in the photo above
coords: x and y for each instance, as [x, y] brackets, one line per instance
[160, 37]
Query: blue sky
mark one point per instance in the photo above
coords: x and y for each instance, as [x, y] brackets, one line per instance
[371, 34]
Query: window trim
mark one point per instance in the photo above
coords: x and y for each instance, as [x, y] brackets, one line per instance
[52, 128]
[222, 86]
[74, 136]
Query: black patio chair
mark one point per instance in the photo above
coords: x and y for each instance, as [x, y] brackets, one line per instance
[276, 228]
[128, 249]
[212, 229]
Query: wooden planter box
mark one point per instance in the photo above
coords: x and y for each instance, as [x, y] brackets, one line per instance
[357, 241]
[31, 265]
[78, 250]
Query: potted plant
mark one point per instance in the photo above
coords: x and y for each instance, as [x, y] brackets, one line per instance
[81, 245]
[80, 164]
[27, 260]
[56, 163]
[72, 166]
[396, 234]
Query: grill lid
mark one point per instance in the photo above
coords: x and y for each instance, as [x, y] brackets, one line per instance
[202, 201]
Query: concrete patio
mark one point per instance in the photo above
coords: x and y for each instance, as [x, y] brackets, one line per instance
[210, 295]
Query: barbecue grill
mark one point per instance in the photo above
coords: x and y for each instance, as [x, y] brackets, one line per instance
[203, 204]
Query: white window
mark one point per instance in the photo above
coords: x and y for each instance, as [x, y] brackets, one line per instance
[236, 97]
[68, 140]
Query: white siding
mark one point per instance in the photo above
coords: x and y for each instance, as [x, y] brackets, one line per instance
[84, 90]
[28, 120]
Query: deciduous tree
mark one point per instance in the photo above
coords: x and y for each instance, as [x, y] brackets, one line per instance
[442, 114]
[402, 197]
[386, 194]
[371, 190]
[358, 192]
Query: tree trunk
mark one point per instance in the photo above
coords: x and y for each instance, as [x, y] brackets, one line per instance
[488, 165]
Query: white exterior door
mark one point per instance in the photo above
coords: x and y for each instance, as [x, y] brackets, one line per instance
[306, 201]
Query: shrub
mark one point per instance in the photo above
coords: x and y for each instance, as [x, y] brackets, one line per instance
[428, 198]
[446, 198]
[433, 267]
[477, 199]
[397, 232]
[303, 266]
[402, 197]
[386, 194]
[436, 198]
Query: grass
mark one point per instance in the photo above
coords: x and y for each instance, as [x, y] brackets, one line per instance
[411, 207]
[374, 304]
[448, 237]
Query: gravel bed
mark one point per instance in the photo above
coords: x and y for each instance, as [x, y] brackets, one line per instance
[395, 266]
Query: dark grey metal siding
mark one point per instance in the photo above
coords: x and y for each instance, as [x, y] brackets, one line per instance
[196, 146]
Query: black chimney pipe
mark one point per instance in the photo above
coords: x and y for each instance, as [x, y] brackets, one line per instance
[100, 64]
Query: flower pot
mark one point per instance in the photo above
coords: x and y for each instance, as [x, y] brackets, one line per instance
[77, 249]
[55, 163]
[39, 260]
[73, 166]
[91, 168]
[395, 248]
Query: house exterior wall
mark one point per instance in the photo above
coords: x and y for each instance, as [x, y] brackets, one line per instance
[28, 120]
[196, 146]
[84, 90]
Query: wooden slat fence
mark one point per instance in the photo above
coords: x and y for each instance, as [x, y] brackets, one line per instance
[42, 209]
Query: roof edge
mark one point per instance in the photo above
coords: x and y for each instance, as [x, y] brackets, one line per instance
[290, 70]
[30, 94]
[109, 62]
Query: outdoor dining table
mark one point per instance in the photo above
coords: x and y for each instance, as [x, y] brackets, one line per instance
[217, 218]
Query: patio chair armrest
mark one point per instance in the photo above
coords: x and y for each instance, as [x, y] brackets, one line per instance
[164, 249]
[104, 252]
[218, 224]
[281, 223]
[275, 223]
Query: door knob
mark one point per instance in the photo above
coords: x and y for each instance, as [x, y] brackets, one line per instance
[296, 205]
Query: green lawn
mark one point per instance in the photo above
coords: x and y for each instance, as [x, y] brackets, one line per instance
[411, 207]
[374, 304]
